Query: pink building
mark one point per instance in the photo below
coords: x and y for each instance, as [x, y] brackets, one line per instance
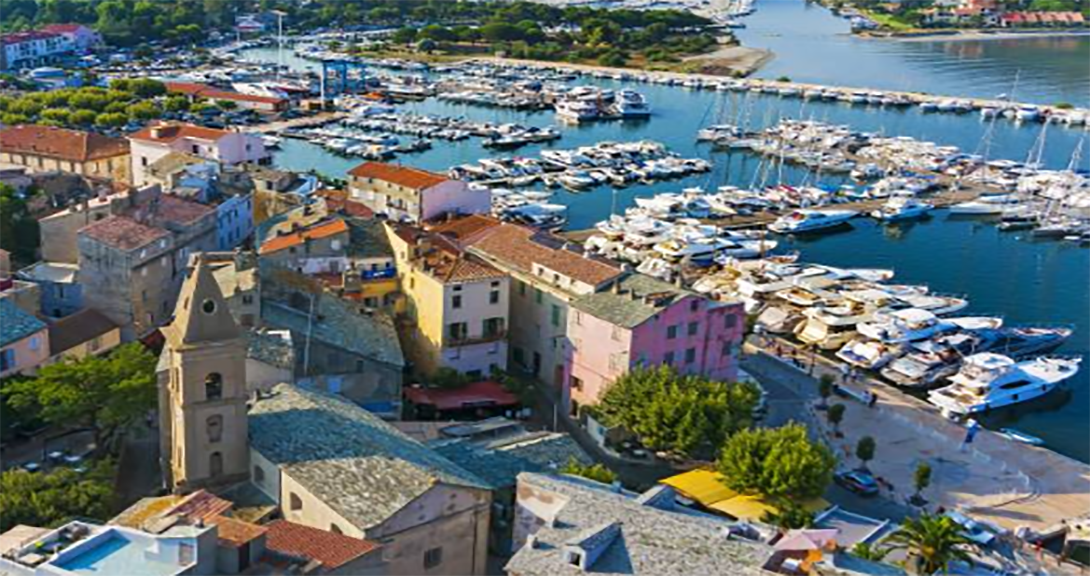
[224, 146]
[82, 38]
[641, 321]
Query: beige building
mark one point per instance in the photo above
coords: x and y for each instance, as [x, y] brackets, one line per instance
[202, 389]
[335, 466]
[46, 148]
[407, 194]
[82, 334]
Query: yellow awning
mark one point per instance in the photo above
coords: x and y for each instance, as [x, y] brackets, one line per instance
[754, 508]
[702, 486]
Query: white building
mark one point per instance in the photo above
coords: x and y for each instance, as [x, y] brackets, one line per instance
[32, 49]
[224, 146]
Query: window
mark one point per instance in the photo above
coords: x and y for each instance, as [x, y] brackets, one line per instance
[457, 331]
[7, 360]
[577, 318]
[95, 344]
[35, 342]
[522, 288]
[537, 295]
[494, 296]
[556, 315]
[690, 355]
[576, 384]
[668, 358]
[433, 558]
[208, 306]
[335, 529]
[215, 464]
[259, 474]
[694, 327]
[519, 356]
[296, 503]
[456, 301]
[731, 320]
[214, 425]
[694, 305]
[671, 332]
[492, 327]
[213, 386]
[247, 299]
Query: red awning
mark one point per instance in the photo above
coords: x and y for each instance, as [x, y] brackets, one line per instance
[483, 394]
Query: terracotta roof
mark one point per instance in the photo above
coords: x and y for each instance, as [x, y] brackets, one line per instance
[522, 247]
[466, 228]
[234, 533]
[171, 132]
[313, 233]
[60, 143]
[63, 28]
[442, 258]
[200, 505]
[172, 209]
[123, 233]
[338, 201]
[205, 91]
[18, 37]
[330, 549]
[401, 175]
[75, 329]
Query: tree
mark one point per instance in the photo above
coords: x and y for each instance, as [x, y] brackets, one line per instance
[438, 33]
[836, 416]
[780, 463]
[869, 552]
[789, 516]
[82, 117]
[143, 111]
[18, 227]
[825, 388]
[934, 542]
[921, 479]
[596, 472]
[864, 450]
[106, 393]
[51, 498]
[501, 32]
[111, 119]
[427, 45]
[176, 104]
[404, 35]
[449, 378]
[685, 415]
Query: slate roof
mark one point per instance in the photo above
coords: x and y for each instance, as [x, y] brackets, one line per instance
[16, 324]
[499, 462]
[652, 541]
[271, 348]
[358, 465]
[640, 298]
[338, 324]
[75, 329]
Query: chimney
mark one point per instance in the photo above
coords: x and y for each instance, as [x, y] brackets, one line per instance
[157, 131]
[616, 287]
[585, 549]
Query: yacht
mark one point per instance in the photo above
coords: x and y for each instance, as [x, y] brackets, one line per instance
[988, 380]
[904, 326]
[577, 110]
[825, 332]
[804, 220]
[902, 208]
[868, 354]
[931, 361]
[632, 104]
[985, 205]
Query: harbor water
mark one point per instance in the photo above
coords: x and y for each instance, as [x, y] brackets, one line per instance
[1003, 273]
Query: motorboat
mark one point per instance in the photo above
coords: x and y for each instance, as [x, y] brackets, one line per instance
[809, 220]
[900, 208]
[868, 354]
[904, 326]
[929, 362]
[825, 335]
[577, 110]
[988, 380]
[632, 104]
[985, 205]
[1019, 436]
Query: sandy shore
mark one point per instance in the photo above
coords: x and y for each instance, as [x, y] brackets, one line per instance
[734, 59]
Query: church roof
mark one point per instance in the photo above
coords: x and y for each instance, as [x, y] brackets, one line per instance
[202, 314]
[361, 467]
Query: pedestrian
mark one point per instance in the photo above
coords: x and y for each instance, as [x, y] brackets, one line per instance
[845, 373]
[873, 400]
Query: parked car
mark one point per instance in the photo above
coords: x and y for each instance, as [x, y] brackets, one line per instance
[858, 482]
[973, 530]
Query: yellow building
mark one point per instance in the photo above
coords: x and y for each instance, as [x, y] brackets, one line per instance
[456, 305]
[46, 148]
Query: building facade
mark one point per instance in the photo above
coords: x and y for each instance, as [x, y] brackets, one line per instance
[33, 48]
[24, 340]
[46, 148]
[224, 146]
[411, 195]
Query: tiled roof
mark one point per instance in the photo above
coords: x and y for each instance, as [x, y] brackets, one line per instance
[271, 348]
[61, 143]
[123, 233]
[16, 324]
[338, 201]
[361, 467]
[442, 259]
[464, 229]
[234, 533]
[338, 324]
[167, 208]
[401, 175]
[640, 297]
[521, 247]
[322, 230]
[329, 549]
[19, 37]
[200, 505]
[204, 91]
[75, 329]
[652, 541]
[63, 28]
[171, 132]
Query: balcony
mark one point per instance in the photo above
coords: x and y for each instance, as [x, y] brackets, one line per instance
[449, 341]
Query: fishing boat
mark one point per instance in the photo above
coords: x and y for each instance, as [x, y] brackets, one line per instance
[988, 381]
[810, 220]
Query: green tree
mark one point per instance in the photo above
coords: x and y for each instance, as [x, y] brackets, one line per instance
[789, 516]
[781, 463]
[501, 32]
[438, 33]
[404, 35]
[106, 393]
[82, 117]
[686, 415]
[921, 478]
[825, 388]
[176, 104]
[836, 416]
[864, 450]
[596, 472]
[934, 542]
[143, 111]
[869, 552]
[50, 499]
[111, 119]
[427, 45]
[18, 228]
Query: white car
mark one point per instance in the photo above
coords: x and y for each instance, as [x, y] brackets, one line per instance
[973, 530]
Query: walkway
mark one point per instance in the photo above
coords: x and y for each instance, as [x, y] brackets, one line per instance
[994, 479]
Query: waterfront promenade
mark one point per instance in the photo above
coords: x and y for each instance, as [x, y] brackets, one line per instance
[994, 479]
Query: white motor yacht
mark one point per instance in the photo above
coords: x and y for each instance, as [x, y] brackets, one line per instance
[900, 208]
[868, 354]
[988, 380]
[632, 104]
[800, 221]
[576, 110]
[985, 205]
[904, 326]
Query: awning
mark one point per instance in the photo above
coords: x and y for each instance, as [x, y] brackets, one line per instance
[753, 508]
[702, 486]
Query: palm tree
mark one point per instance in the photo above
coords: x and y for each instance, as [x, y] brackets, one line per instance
[935, 542]
[870, 552]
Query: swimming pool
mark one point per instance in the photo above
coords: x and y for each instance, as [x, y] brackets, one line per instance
[119, 555]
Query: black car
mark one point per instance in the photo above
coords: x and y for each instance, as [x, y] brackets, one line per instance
[859, 482]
